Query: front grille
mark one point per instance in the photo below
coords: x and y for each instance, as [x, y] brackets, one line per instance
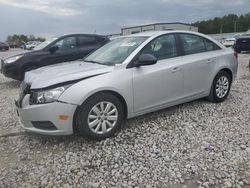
[44, 125]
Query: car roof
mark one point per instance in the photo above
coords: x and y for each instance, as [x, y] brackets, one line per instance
[78, 34]
[155, 33]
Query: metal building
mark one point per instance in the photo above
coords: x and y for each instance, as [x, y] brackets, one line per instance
[158, 27]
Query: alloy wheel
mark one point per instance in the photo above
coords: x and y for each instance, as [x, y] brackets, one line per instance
[103, 117]
[222, 87]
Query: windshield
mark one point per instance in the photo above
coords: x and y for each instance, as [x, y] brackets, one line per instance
[44, 44]
[116, 51]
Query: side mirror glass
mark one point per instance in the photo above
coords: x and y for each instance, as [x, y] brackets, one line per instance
[53, 49]
[145, 59]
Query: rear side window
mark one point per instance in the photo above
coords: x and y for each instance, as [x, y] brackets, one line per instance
[192, 44]
[163, 47]
[210, 46]
[86, 40]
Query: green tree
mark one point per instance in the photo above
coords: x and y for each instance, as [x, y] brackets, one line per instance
[227, 24]
[20, 39]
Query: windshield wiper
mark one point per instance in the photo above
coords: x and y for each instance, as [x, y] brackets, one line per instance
[105, 64]
[93, 62]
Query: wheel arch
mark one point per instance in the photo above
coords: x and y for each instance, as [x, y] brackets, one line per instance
[227, 70]
[118, 95]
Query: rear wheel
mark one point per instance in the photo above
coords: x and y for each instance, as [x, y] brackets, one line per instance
[99, 117]
[221, 87]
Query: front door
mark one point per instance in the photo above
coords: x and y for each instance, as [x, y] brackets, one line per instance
[161, 83]
[67, 51]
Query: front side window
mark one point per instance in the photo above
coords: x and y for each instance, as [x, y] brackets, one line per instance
[45, 44]
[163, 47]
[192, 44]
[243, 41]
[116, 51]
[66, 43]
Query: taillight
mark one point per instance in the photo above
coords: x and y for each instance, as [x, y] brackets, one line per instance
[235, 54]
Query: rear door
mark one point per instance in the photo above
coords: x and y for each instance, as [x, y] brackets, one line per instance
[198, 62]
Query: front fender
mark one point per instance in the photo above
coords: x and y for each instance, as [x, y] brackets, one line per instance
[119, 81]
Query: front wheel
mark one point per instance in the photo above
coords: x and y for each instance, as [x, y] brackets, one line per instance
[99, 117]
[221, 87]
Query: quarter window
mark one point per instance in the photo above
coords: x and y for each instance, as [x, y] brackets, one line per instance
[163, 47]
[210, 46]
[192, 44]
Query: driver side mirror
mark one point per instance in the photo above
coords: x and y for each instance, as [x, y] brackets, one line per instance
[53, 49]
[145, 59]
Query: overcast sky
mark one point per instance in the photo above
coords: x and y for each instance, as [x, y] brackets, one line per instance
[52, 17]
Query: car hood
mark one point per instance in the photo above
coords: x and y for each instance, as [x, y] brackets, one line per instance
[34, 52]
[64, 72]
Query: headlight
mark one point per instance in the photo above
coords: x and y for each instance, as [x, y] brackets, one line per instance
[12, 59]
[47, 96]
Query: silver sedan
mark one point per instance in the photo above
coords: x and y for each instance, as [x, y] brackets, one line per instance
[130, 76]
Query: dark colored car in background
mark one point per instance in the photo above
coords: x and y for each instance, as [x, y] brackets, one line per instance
[4, 47]
[13, 45]
[56, 50]
[242, 44]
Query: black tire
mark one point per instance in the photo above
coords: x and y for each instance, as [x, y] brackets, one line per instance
[213, 97]
[81, 126]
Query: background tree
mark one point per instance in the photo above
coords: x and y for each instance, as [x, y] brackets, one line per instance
[227, 24]
[20, 39]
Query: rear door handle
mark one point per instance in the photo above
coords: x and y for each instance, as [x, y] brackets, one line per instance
[176, 69]
[210, 60]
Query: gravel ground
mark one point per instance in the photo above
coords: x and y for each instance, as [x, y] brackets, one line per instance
[197, 144]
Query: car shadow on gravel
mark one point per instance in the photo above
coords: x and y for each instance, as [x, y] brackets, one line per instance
[165, 112]
[10, 84]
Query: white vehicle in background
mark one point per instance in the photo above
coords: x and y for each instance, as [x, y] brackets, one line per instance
[229, 42]
[31, 44]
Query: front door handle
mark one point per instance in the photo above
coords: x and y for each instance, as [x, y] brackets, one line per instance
[175, 69]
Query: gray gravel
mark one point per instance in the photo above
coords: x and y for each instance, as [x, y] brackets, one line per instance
[197, 144]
